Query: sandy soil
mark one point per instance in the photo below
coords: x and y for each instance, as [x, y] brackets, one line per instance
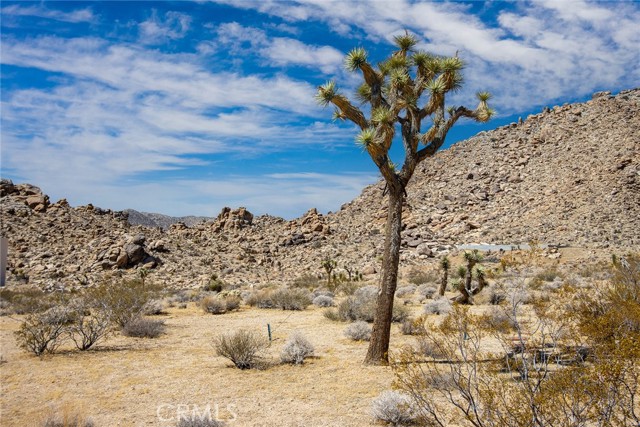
[148, 382]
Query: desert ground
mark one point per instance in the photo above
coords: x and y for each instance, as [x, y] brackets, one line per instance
[146, 382]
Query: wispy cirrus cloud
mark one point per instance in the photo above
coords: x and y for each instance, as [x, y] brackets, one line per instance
[119, 110]
[536, 52]
[277, 51]
[40, 11]
[158, 29]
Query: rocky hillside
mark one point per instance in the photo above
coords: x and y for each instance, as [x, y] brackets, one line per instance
[149, 219]
[567, 176]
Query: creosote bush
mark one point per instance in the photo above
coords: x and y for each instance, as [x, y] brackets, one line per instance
[243, 347]
[124, 300]
[141, 327]
[42, 332]
[570, 361]
[296, 349]
[283, 298]
[88, 327]
[358, 331]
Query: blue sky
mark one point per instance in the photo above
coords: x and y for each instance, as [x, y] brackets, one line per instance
[185, 107]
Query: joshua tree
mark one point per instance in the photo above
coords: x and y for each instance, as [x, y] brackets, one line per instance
[445, 265]
[466, 273]
[329, 265]
[404, 91]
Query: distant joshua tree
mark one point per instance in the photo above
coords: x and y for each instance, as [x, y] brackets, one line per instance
[403, 91]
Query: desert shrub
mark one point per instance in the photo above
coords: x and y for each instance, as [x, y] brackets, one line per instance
[213, 305]
[369, 292]
[429, 348]
[244, 348]
[260, 299]
[43, 332]
[323, 301]
[362, 306]
[232, 302]
[123, 300]
[332, 314]
[412, 326]
[87, 330]
[296, 349]
[358, 331]
[419, 277]
[393, 407]
[426, 291]
[196, 421]
[306, 281]
[140, 327]
[545, 276]
[323, 292]
[67, 420]
[215, 284]
[438, 306]
[26, 301]
[291, 299]
[406, 290]
[153, 307]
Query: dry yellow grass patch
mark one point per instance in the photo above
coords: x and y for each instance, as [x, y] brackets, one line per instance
[146, 382]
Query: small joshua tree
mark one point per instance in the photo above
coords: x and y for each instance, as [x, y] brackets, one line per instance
[445, 265]
[472, 259]
[405, 90]
[329, 265]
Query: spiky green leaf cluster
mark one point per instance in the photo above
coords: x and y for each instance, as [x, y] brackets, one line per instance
[338, 115]
[366, 137]
[382, 115]
[398, 77]
[483, 112]
[363, 94]
[355, 59]
[405, 42]
[326, 93]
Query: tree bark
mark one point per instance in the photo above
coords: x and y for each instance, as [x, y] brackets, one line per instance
[378, 353]
[443, 283]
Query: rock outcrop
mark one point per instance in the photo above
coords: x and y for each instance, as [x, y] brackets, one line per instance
[569, 175]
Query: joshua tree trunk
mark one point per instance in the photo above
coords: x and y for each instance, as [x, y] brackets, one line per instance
[443, 284]
[379, 344]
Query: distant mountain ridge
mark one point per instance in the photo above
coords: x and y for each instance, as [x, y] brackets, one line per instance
[149, 219]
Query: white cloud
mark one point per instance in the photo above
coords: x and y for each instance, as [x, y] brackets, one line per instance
[156, 29]
[39, 11]
[278, 51]
[537, 53]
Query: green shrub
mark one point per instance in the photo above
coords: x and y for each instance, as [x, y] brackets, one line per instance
[283, 298]
[244, 348]
[42, 332]
[87, 330]
[215, 284]
[123, 300]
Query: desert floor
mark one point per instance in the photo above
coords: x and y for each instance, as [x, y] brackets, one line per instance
[149, 382]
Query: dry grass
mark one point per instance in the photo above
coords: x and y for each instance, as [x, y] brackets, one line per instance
[123, 381]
